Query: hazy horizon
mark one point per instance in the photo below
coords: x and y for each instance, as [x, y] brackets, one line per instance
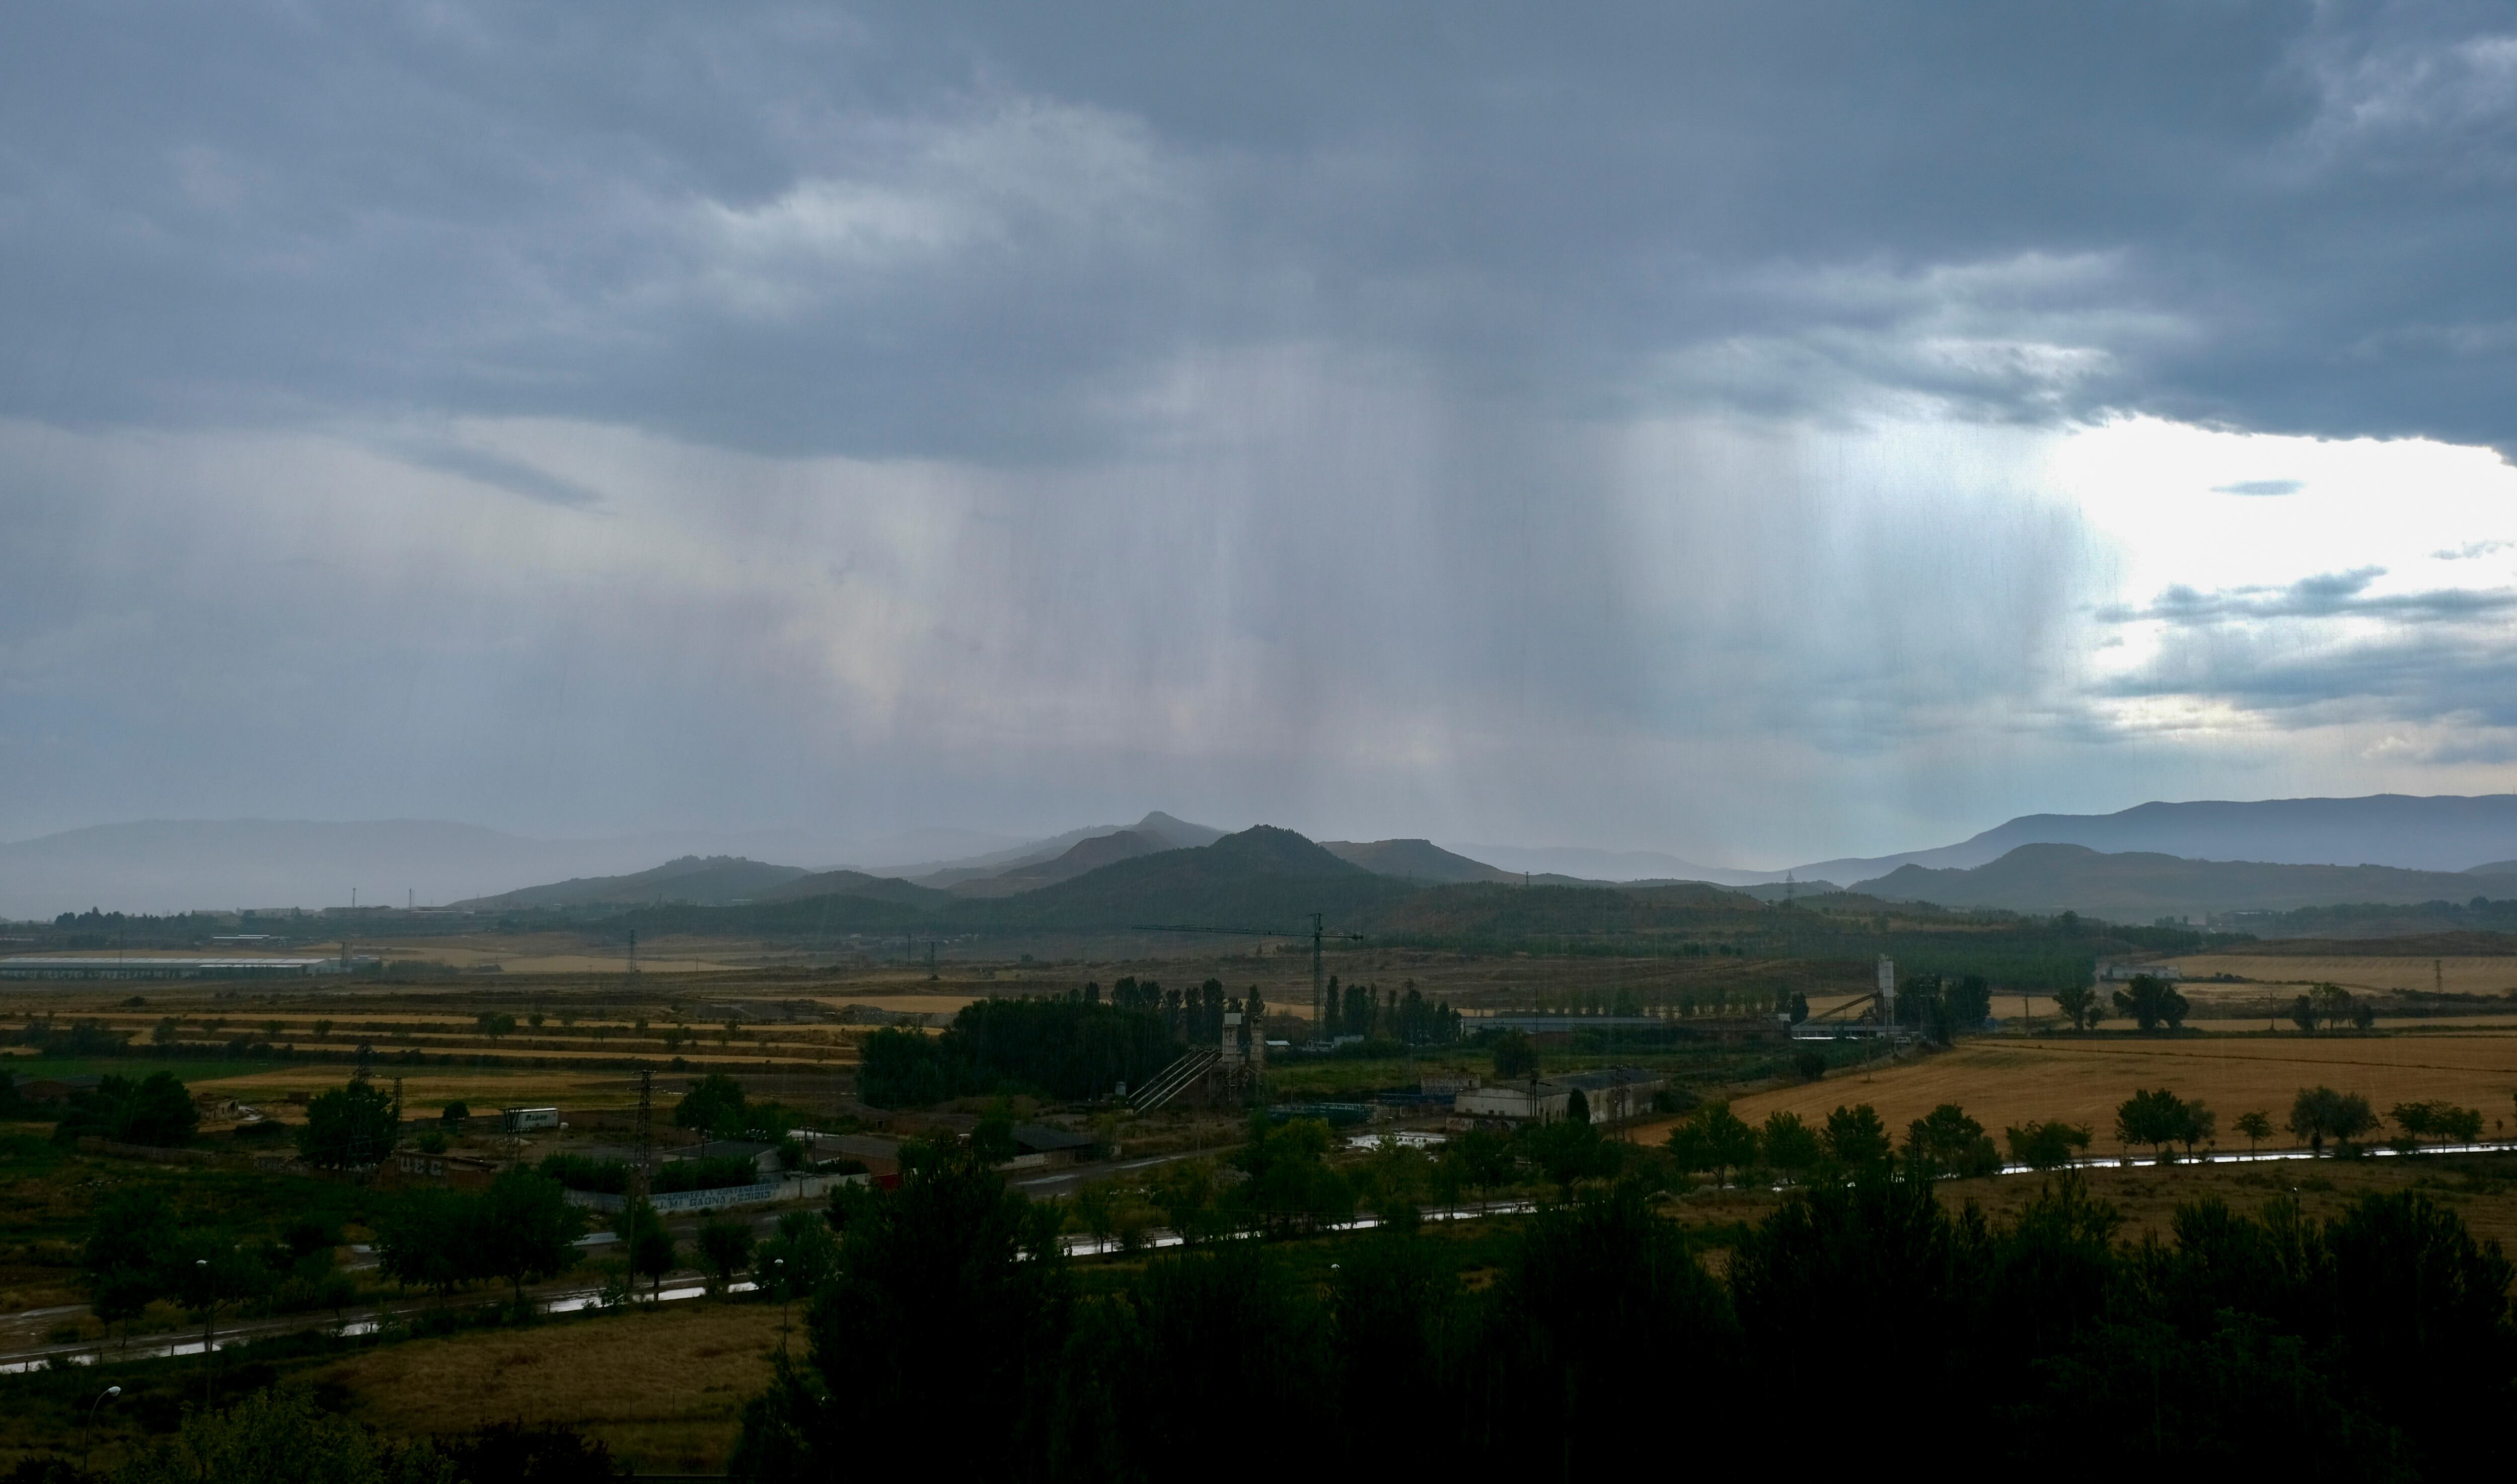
[1748, 434]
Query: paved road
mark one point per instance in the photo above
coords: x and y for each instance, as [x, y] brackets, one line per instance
[1060, 1183]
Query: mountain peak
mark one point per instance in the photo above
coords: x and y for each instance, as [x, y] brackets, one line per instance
[1175, 833]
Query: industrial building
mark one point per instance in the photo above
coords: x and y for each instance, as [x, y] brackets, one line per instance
[114, 966]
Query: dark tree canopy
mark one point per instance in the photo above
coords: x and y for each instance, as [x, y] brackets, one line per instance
[158, 1109]
[714, 1104]
[349, 1128]
[1060, 1047]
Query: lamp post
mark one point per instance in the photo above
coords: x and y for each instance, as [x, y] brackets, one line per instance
[84, 1427]
[779, 1276]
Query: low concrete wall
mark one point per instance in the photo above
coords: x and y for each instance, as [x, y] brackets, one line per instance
[766, 1192]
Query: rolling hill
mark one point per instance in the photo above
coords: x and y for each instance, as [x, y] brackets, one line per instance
[702, 881]
[1169, 833]
[1087, 854]
[1418, 860]
[859, 886]
[2139, 886]
[172, 866]
[1260, 878]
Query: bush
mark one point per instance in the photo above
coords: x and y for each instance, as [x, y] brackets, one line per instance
[156, 1110]
[542, 1453]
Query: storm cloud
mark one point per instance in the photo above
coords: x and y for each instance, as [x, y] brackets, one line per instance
[1636, 427]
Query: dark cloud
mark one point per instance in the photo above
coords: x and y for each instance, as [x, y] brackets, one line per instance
[887, 231]
[2327, 595]
[1615, 423]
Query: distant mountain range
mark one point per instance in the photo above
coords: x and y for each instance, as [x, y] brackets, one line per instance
[2139, 886]
[172, 866]
[720, 881]
[1569, 863]
[2442, 834]
[169, 866]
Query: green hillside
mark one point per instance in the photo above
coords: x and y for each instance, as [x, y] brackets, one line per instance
[707, 879]
[856, 883]
[1260, 878]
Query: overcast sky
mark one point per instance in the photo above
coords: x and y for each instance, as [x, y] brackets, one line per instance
[1757, 432]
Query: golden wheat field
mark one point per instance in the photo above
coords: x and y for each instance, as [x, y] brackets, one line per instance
[2471, 975]
[2002, 1083]
[664, 1387]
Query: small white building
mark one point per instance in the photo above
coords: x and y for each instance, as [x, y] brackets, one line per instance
[1613, 1095]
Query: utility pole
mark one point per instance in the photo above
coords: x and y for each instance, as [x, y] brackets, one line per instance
[645, 1119]
[638, 1183]
[1319, 990]
[1319, 933]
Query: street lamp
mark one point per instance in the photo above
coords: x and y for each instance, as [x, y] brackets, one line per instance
[101, 1398]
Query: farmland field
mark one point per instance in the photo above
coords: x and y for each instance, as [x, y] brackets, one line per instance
[2370, 974]
[2003, 1082]
[665, 1387]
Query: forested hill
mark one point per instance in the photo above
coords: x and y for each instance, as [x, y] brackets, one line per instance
[1260, 878]
[1273, 879]
[856, 883]
[704, 879]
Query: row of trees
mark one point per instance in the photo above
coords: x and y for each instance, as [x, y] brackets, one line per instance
[1947, 1142]
[2150, 1003]
[1410, 1019]
[1195, 1014]
[2153, 1003]
[140, 1250]
[521, 1229]
[2375, 1344]
[1940, 1006]
[2330, 1007]
[1850, 1141]
[2317, 1115]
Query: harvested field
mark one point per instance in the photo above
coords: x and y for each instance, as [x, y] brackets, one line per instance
[664, 1387]
[2361, 974]
[2003, 1082]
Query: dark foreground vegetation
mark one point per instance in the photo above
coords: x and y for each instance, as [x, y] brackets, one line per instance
[943, 1329]
[1862, 1316]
